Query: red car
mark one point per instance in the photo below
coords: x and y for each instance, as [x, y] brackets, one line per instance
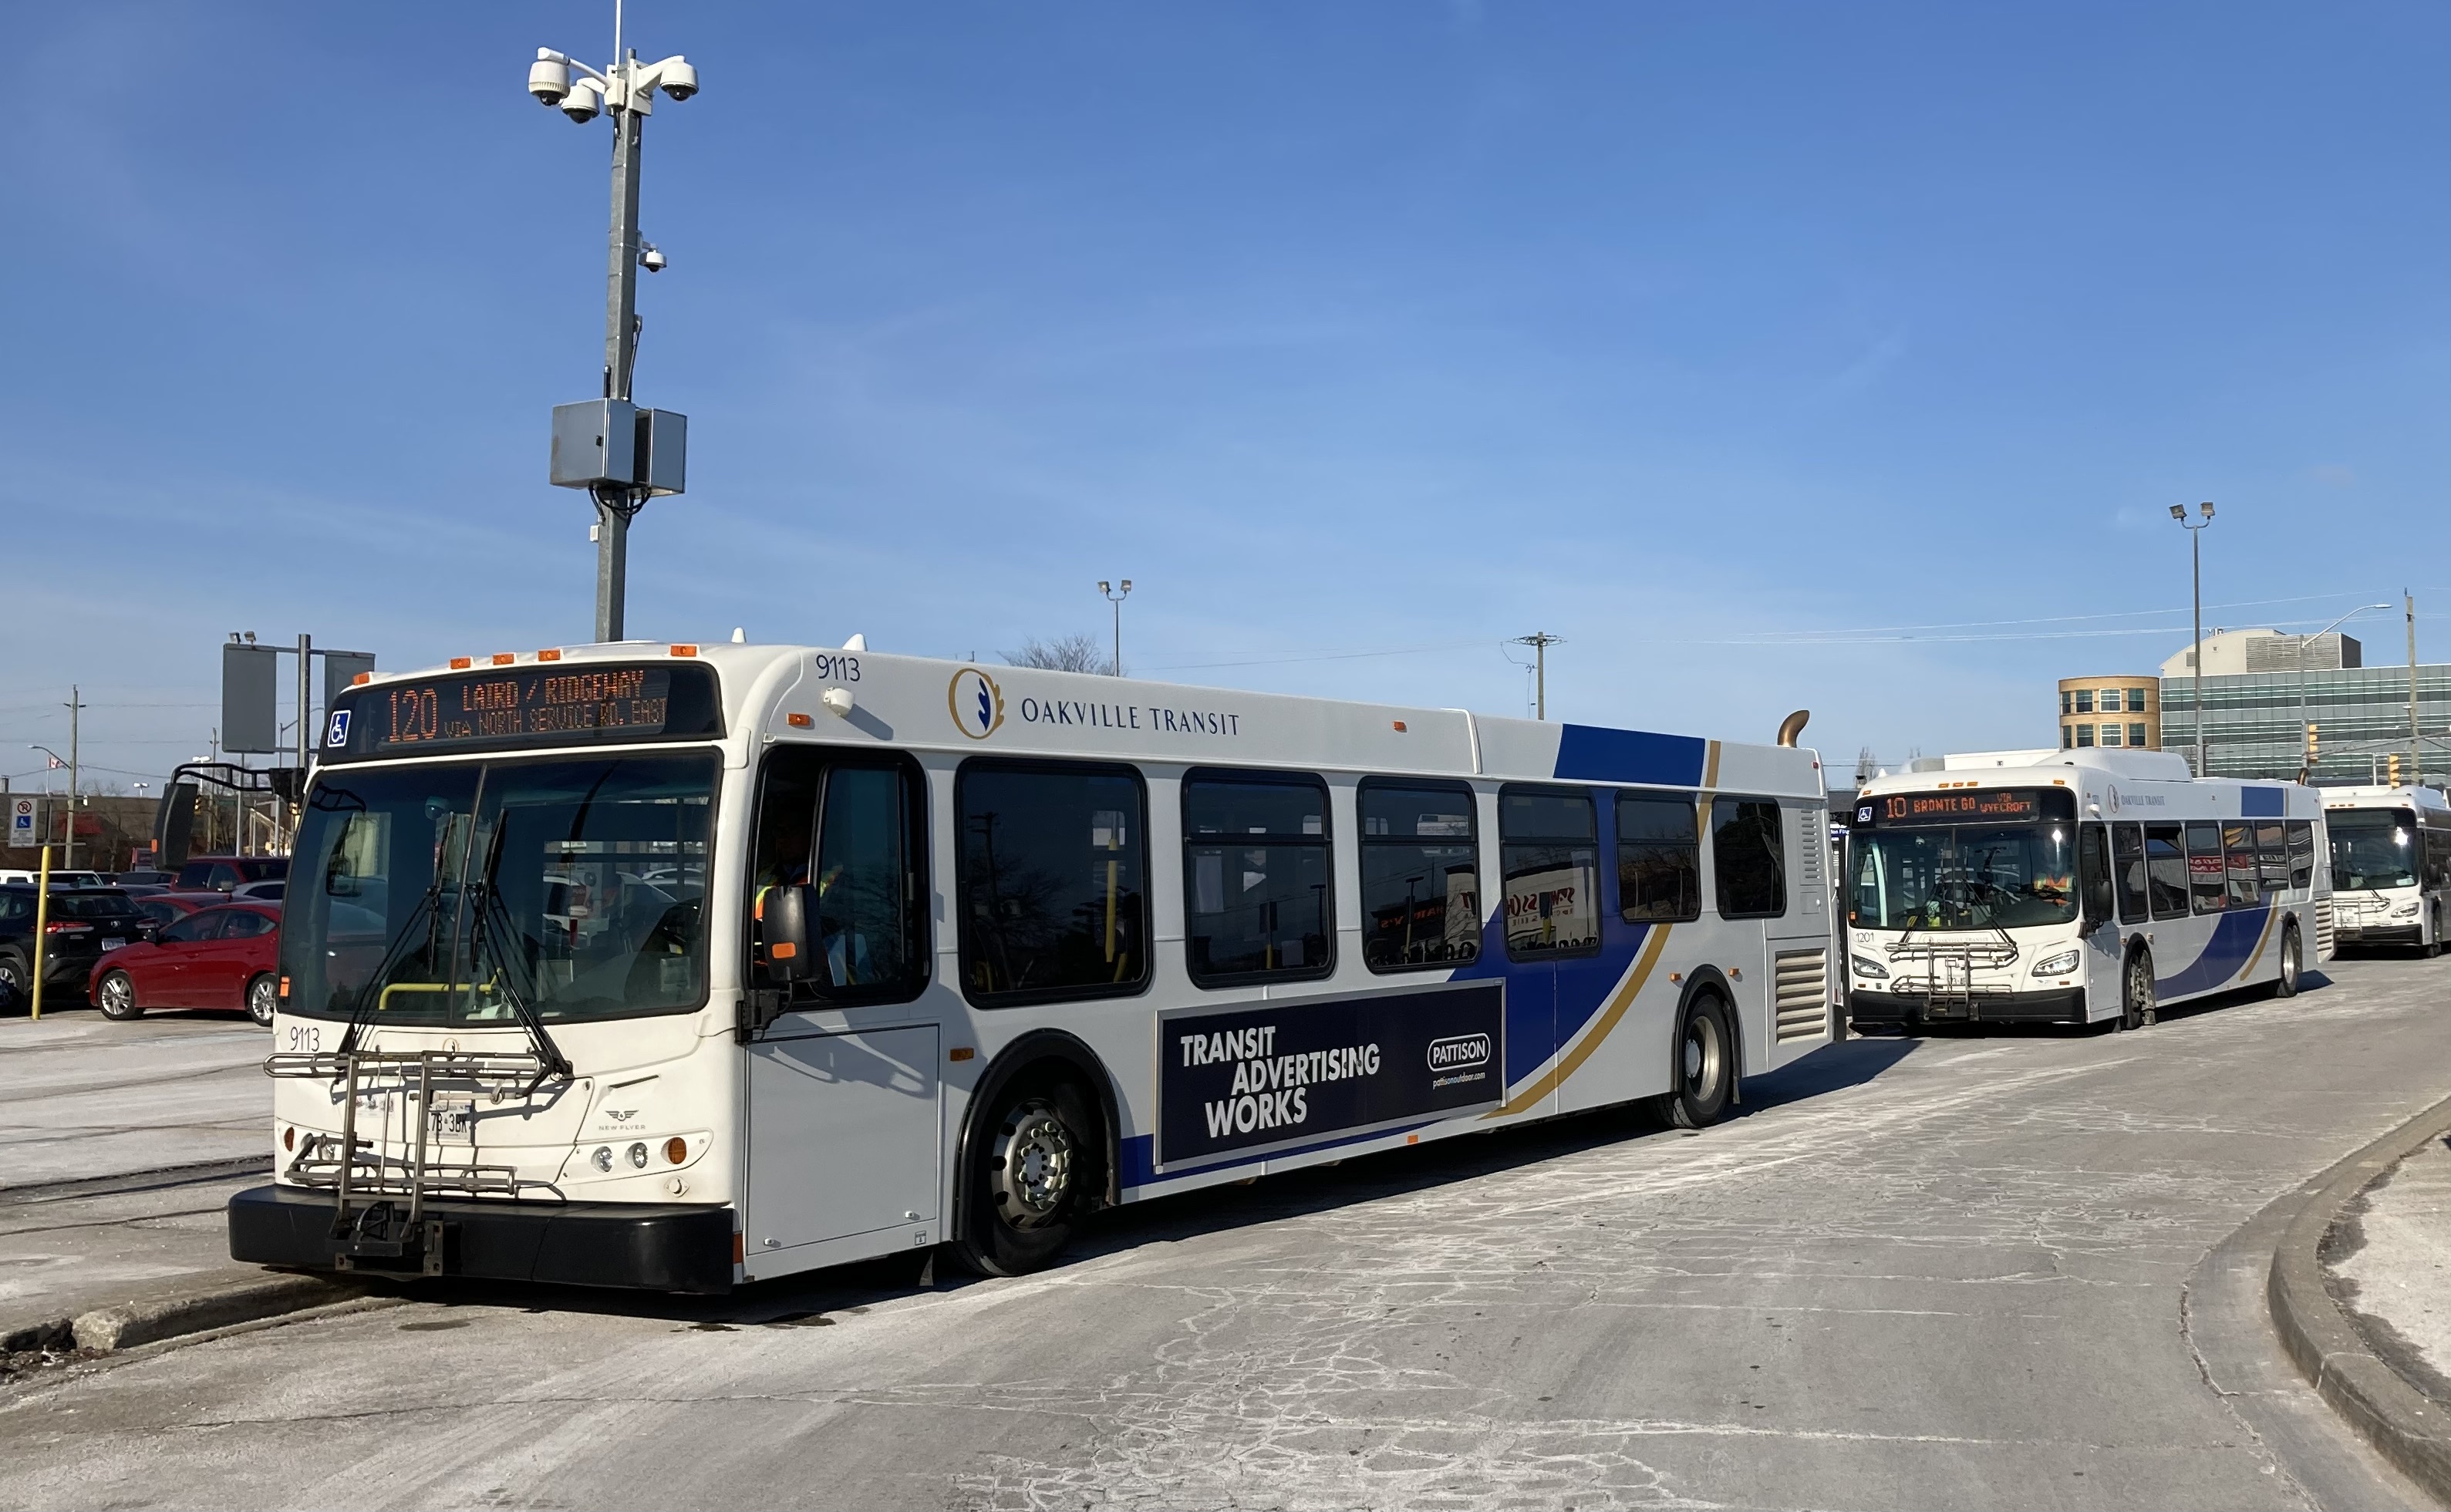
[169, 907]
[215, 958]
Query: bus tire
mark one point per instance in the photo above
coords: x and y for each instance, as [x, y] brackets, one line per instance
[1705, 1065]
[1036, 1173]
[114, 997]
[2292, 963]
[2136, 1003]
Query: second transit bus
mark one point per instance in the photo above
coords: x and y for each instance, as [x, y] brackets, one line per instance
[679, 967]
[2077, 887]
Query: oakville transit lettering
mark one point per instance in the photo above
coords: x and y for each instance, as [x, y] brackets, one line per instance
[1129, 716]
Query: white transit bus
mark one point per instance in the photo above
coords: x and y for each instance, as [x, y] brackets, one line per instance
[2391, 865]
[679, 967]
[2076, 886]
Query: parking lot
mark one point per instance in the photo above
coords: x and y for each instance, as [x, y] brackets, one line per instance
[2011, 1267]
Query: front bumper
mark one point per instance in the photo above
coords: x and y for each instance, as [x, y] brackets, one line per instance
[2412, 933]
[647, 1246]
[2060, 1005]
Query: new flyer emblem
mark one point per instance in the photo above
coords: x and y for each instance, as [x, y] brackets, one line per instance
[977, 701]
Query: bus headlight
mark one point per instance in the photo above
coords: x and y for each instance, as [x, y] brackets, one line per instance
[638, 1156]
[2406, 911]
[2058, 965]
[1867, 968]
[602, 1158]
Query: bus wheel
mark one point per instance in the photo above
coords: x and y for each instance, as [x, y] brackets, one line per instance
[1031, 1180]
[2291, 963]
[116, 997]
[2136, 991]
[1706, 1067]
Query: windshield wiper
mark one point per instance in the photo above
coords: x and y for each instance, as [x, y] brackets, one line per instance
[426, 908]
[550, 1060]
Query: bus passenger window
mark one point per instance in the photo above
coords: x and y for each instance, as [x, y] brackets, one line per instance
[1052, 897]
[2205, 867]
[1748, 858]
[2127, 871]
[1549, 853]
[1257, 885]
[2273, 855]
[2238, 838]
[1659, 858]
[1421, 877]
[849, 831]
[2302, 855]
[2166, 870]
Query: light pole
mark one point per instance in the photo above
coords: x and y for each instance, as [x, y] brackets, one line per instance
[2305, 741]
[622, 454]
[1539, 641]
[1117, 599]
[2196, 554]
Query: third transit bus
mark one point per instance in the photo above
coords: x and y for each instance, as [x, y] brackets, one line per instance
[2391, 864]
[679, 967]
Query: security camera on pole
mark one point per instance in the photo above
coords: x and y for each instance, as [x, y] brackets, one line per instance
[622, 454]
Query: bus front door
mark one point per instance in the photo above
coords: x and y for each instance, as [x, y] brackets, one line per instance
[843, 1135]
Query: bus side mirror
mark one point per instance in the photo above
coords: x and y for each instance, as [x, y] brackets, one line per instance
[786, 934]
[174, 826]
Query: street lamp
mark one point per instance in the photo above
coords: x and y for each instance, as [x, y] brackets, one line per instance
[622, 454]
[2305, 741]
[2195, 550]
[1117, 599]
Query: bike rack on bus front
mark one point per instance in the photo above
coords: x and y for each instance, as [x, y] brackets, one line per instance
[359, 1169]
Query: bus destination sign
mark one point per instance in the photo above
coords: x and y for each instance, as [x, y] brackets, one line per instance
[543, 705]
[2004, 805]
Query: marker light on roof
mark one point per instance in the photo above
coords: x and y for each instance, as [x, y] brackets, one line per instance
[551, 653]
[460, 663]
[685, 651]
[362, 679]
[504, 658]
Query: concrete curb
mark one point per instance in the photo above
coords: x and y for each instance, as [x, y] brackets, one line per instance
[2407, 1428]
[128, 1325]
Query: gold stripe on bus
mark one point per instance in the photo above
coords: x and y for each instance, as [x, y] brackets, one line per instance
[1618, 1003]
[2261, 938]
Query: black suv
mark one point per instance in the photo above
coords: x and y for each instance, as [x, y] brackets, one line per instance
[83, 924]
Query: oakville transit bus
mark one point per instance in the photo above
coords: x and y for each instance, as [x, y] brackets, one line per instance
[679, 967]
[2391, 865]
[2076, 886]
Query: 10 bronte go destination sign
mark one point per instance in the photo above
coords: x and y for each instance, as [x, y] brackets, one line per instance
[1299, 1072]
[978, 705]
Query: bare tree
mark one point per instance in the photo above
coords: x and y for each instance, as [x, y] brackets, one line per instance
[1068, 653]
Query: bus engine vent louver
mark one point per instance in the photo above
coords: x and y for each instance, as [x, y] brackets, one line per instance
[1801, 989]
[2323, 929]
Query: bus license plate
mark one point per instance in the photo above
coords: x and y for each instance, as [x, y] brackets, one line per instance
[453, 1120]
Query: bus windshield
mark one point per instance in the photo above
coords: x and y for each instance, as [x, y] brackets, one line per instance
[1963, 877]
[456, 894]
[2373, 847]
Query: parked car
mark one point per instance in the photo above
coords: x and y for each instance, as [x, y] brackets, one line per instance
[171, 906]
[222, 873]
[215, 958]
[265, 892]
[59, 878]
[82, 925]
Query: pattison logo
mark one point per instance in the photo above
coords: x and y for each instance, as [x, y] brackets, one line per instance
[977, 701]
[1458, 1052]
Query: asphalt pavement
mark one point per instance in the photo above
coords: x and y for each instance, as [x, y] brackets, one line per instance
[1973, 1270]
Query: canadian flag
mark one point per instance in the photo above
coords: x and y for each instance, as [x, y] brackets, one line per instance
[51, 762]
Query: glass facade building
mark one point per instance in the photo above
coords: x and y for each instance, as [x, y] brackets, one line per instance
[2360, 714]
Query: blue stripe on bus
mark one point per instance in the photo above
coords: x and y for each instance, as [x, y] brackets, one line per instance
[2266, 802]
[1593, 753]
[2235, 936]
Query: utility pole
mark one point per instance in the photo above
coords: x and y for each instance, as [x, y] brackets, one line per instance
[76, 705]
[1117, 599]
[1539, 641]
[2416, 744]
[2196, 556]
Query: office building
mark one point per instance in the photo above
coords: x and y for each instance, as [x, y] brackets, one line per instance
[2254, 727]
[2121, 709]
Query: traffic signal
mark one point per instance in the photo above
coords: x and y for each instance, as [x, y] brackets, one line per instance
[2394, 778]
[2314, 744]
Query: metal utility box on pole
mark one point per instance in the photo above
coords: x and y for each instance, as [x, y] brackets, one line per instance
[250, 699]
[622, 454]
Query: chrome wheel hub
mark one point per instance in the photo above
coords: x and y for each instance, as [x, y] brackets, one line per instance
[1033, 1166]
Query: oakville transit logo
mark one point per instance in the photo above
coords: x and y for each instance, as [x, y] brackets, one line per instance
[976, 703]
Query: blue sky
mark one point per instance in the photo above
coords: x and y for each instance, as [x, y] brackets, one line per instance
[1719, 338]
